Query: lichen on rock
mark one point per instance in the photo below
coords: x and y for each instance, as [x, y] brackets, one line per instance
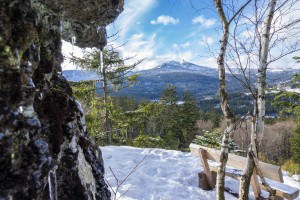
[44, 146]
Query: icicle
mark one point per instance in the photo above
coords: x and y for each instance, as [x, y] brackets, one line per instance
[101, 61]
[73, 42]
[60, 25]
[52, 183]
[41, 97]
[18, 60]
[20, 109]
[101, 30]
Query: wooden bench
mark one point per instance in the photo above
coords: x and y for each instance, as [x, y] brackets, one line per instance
[209, 160]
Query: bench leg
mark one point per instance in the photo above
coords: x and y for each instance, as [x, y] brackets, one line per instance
[255, 185]
[203, 182]
[204, 163]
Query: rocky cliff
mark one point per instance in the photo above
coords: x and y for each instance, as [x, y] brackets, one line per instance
[45, 152]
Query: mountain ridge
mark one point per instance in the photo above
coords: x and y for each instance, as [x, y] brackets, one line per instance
[199, 80]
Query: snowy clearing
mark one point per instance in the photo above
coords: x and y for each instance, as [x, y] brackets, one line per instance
[163, 175]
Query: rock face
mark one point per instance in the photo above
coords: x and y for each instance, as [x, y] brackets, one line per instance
[45, 152]
[80, 18]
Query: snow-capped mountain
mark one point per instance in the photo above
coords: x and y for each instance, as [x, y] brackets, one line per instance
[186, 76]
[184, 66]
[80, 75]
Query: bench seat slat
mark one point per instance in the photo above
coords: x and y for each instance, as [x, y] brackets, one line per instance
[239, 162]
[282, 190]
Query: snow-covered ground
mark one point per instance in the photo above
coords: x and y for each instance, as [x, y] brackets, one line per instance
[162, 174]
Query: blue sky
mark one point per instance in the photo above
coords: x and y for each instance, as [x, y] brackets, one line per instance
[164, 30]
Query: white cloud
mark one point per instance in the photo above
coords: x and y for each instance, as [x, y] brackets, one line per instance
[199, 19]
[208, 61]
[185, 45]
[141, 46]
[175, 46]
[206, 40]
[203, 21]
[187, 55]
[133, 12]
[144, 46]
[165, 20]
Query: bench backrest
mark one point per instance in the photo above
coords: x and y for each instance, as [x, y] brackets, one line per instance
[268, 170]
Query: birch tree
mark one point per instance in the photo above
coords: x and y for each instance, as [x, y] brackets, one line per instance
[228, 115]
[244, 53]
[259, 111]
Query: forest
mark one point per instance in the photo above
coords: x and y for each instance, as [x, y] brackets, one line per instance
[174, 122]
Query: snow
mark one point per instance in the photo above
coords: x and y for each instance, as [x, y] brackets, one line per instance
[296, 177]
[297, 90]
[174, 66]
[78, 104]
[162, 175]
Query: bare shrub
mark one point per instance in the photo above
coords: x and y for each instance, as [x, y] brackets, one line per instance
[204, 125]
[276, 143]
[275, 146]
[242, 135]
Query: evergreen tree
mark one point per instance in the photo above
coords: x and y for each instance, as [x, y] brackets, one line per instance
[169, 95]
[289, 102]
[189, 115]
[85, 92]
[112, 75]
[295, 145]
[169, 122]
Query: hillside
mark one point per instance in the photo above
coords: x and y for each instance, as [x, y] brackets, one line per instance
[186, 76]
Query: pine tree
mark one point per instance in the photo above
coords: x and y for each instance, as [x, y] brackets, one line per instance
[295, 145]
[113, 76]
[189, 115]
[289, 102]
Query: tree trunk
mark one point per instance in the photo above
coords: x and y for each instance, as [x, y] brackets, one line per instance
[107, 119]
[261, 82]
[220, 183]
[246, 176]
[229, 117]
[248, 171]
[259, 111]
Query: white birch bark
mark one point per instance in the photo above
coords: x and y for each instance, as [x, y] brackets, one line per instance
[220, 183]
[259, 112]
[262, 70]
[228, 115]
